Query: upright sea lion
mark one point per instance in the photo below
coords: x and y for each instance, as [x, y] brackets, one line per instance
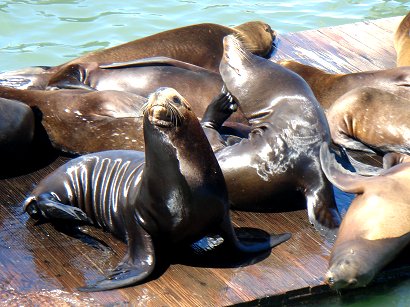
[173, 194]
[199, 44]
[372, 120]
[402, 42]
[376, 226]
[328, 87]
[81, 121]
[282, 151]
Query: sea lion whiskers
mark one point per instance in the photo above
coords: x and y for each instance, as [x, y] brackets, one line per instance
[175, 115]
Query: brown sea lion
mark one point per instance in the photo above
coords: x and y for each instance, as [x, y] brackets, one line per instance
[376, 226]
[199, 44]
[173, 194]
[81, 121]
[402, 42]
[142, 77]
[328, 87]
[282, 150]
[372, 120]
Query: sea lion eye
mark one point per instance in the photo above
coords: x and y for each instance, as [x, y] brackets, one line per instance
[176, 100]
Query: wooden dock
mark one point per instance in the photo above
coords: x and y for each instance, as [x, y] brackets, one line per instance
[40, 265]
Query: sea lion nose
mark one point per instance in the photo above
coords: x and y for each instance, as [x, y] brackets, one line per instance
[330, 280]
[157, 111]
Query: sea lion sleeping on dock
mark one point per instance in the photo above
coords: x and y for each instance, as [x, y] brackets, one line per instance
[402, 42]
[173, 194]
[376, 226]
[328, 87]
[199, 44]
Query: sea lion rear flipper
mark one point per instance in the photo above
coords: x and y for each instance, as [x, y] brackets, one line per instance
[158, 60]
[250, 244]
[46, 206]
[360, 167]
[70, 77]
[138, 263]
[342, 178]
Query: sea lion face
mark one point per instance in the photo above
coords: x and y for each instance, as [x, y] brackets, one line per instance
[258, 37]
[165, 108]
[236, 67]
[350, 269]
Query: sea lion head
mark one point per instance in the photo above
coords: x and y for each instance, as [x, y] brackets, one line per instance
[242, 73]
[165, 108]
[257, 37]
[351, 267]
[170, 122]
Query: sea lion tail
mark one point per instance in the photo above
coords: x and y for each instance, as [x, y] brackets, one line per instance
[342, 178]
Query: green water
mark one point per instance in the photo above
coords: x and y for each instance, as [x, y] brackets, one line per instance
[53, 32]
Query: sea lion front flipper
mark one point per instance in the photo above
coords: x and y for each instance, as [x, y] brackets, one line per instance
[250, 244]
[46, 206]
[219, 110]
[137, 264]
[157, 60]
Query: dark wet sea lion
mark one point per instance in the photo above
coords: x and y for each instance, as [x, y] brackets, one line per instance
[17, 127]
[376, 226]
[173, 194]
[328, 87]
[142, 77]
[402, 42]
[282, 151]
[372, 120]
[81, 121]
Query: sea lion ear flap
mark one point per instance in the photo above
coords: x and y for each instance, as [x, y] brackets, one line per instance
[342, 178]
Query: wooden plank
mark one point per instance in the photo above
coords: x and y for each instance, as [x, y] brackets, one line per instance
[40, 265]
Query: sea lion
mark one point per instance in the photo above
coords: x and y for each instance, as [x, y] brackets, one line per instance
[282, 150]
[142, 77]
[402, 42]
[81, 121]
[328, 87]
[173, 194]
[376, 226]
[17, 127]
[199, 44]
[371, 120]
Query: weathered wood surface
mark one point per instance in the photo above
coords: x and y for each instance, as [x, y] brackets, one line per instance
[40, 265]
